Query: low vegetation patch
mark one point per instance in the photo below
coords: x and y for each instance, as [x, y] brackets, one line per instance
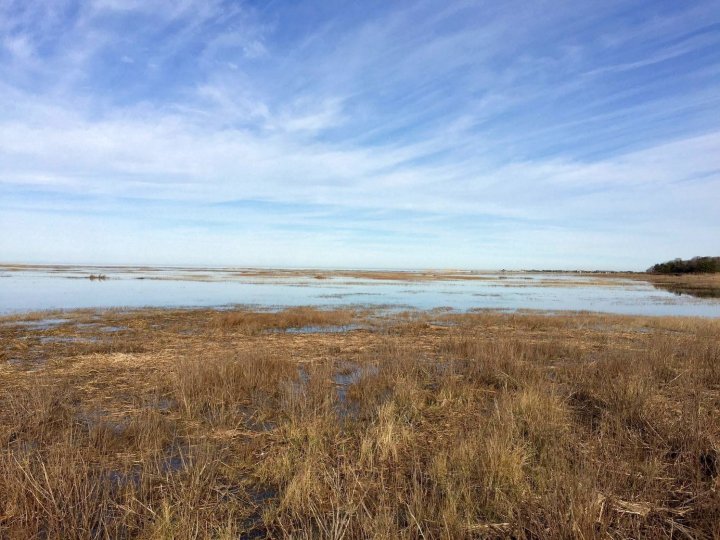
[208, 424]
[295, 317]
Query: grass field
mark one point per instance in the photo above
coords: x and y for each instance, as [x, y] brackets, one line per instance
[358, 424]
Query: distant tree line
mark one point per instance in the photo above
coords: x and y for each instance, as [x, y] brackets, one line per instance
[695, 265]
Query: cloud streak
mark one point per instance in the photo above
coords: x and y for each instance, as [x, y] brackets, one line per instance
[400, 135]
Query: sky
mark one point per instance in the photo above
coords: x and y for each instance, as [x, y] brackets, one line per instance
[365, 134]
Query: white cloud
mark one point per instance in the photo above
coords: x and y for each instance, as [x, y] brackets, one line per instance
[169, 157]
[434, 109]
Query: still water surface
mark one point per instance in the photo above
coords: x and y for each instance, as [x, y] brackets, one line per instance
[35, 289]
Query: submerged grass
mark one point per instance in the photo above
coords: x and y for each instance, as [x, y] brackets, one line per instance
[199, 424]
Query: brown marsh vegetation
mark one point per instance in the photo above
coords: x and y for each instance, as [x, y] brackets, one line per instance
[294, 317]
[699, 285]
[202, 424]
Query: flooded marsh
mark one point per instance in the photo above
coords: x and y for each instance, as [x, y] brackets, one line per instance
[34, 288]
[356, 423]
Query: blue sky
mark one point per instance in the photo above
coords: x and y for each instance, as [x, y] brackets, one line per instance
[547, 134]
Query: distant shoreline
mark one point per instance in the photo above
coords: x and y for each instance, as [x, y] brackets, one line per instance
[270, 270]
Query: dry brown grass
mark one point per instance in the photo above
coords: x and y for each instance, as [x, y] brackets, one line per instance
[700, 285]
[200, 424]
[294, 317]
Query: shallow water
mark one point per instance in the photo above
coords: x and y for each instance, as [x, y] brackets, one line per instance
[313, 329]
[43, 289]
[42, 324]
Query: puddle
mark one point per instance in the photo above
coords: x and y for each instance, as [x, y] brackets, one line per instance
[262, 494]
[303, 379]
[176, 459]
[86, 325]
[348, 375]
[444, 324]
[173, 463]
[66, 339]
[100, 419]
[113, 328]
[40, 324]
[312, 329]
[165, 404]
[298, 386]
[32, 362]
[254, 526]
[253, 423]
[121, 479]
[160, 404]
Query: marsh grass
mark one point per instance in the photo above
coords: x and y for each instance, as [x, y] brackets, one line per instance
[699, 285]
[202, 424]
[294, 317]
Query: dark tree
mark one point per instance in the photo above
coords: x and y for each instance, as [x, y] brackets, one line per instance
[696, 265]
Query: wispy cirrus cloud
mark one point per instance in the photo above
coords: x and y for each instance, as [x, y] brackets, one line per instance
[401, 135]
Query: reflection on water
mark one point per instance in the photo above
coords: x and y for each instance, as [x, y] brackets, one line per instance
[32, 289]
[697, 292]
